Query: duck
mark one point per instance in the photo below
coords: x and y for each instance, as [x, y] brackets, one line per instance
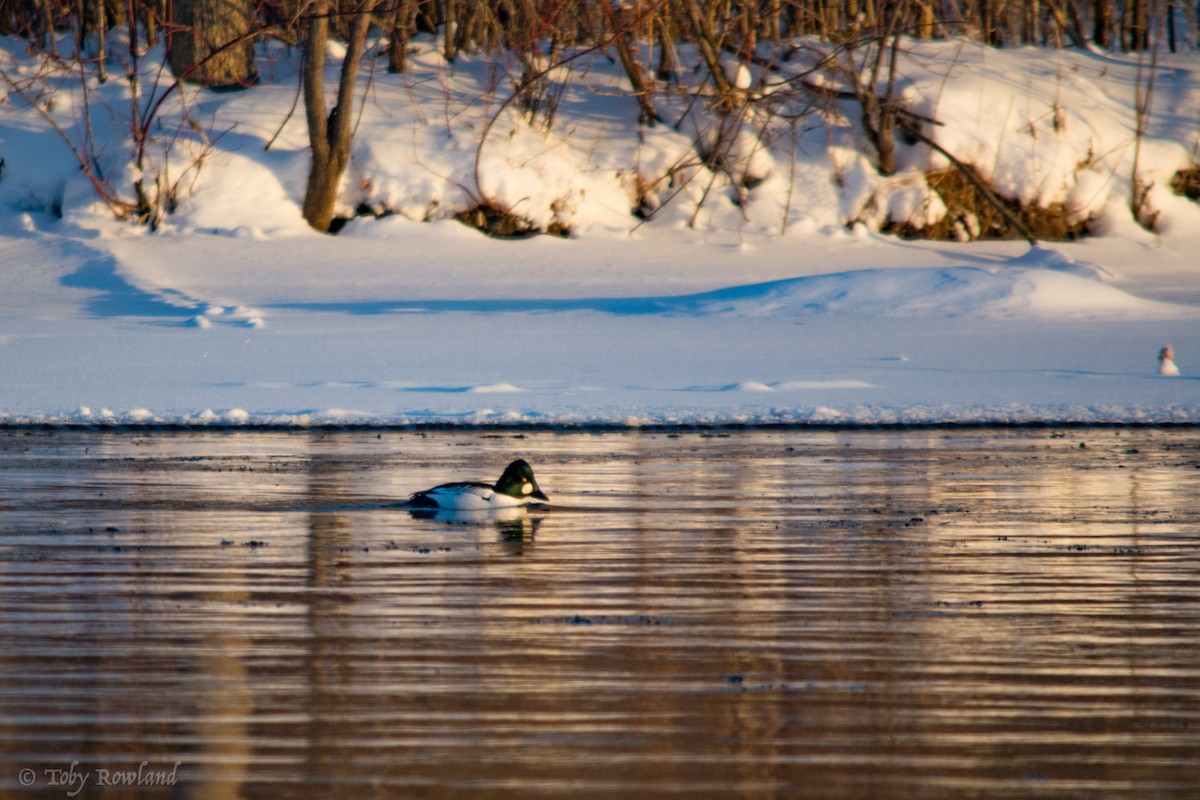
[516, 487]
[1166, 362]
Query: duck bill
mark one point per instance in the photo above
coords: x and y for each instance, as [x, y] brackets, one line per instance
[538, 494]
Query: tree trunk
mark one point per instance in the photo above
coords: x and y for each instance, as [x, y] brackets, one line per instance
[1135, 21]
[403, 20]
[450, 30]
[210, 45]
[329, 133]
[1102, 19]
[642, 89]
[101, 41]
[927, 20]
[1072, 27]
[1169, 10]
[987, 23]
[668, 62]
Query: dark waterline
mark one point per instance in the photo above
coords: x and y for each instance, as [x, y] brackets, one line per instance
[766, 613]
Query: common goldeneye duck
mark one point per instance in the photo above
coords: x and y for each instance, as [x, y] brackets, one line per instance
[516, 487]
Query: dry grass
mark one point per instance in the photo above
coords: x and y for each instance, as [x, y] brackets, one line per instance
[971, 216]
[1186, 182]
[486, 217]
[500, 223]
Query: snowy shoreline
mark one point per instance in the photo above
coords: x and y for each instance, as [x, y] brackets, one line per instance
[1034, 422]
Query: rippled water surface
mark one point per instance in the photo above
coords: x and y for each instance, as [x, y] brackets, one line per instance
[887, 614]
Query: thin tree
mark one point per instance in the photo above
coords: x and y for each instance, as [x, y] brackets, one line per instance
[329, 131]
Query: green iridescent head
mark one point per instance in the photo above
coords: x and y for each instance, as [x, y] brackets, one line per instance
[518, 481]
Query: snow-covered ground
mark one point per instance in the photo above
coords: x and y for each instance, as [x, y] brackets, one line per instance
[764, 307]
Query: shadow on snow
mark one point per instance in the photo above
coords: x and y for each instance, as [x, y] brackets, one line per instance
[116, 297]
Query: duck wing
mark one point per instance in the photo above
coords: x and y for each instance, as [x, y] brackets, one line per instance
[430, 497]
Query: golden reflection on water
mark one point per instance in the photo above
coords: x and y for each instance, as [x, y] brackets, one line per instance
[840, 614]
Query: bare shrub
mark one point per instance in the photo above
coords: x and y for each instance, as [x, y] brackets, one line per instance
[154, 185]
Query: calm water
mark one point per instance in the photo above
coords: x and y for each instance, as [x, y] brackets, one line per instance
[895, 614]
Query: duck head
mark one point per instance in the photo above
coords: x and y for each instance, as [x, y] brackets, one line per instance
[518, 481]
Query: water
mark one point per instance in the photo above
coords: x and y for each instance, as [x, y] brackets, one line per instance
[817, 614]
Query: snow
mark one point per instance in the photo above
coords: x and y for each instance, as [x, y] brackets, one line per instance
[731, 305]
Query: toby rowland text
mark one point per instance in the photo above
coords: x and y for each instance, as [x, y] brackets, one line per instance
[73, 779]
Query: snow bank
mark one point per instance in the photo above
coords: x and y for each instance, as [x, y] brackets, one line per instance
[951, 292]
[1042, 126]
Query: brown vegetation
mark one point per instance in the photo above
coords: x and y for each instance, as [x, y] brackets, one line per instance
[1186, 182]
[971, 214]
[500, 223]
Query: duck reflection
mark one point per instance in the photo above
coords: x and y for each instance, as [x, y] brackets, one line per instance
[514, 524]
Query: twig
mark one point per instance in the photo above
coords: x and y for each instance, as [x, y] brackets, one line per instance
[1142, 100]
[287, 118]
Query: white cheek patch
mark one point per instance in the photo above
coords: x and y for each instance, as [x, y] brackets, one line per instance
[526, 488]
